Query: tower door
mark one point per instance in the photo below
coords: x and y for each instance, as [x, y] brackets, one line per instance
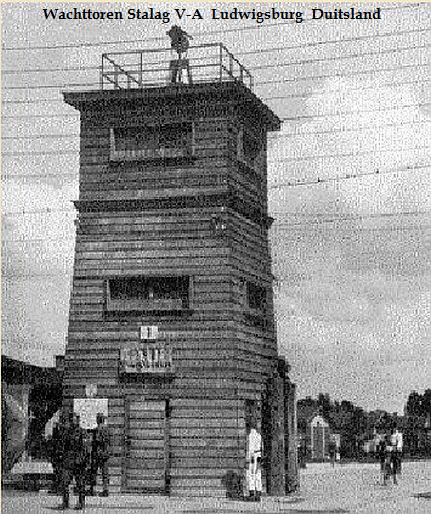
[147, 446]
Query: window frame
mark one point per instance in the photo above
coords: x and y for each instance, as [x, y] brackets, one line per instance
[258, 316]
[151, 154]
[251, 162]
[161, 305]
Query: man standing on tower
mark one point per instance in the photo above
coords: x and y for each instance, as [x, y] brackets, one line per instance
[180, 44]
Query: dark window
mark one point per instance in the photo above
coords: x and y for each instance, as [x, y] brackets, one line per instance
[165, 141]
[256, 297]
[249, 147]
[148, 293]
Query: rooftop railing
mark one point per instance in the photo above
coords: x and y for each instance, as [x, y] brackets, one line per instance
[140, 69]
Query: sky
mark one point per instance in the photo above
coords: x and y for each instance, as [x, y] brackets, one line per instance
[350, 255]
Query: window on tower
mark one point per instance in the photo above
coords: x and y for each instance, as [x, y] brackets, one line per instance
[255, 303]
[249, 147]
[140, 293]
[169, 141]
[256, 297]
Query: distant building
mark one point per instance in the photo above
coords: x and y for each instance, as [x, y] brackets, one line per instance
[319, 436]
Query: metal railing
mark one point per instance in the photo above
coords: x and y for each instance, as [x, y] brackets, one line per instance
[140, 69]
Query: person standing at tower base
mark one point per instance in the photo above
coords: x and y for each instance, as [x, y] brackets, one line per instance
[254, 464]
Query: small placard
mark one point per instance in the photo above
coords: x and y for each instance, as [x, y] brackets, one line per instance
[88, 408]
[90, 390]
[149, 332]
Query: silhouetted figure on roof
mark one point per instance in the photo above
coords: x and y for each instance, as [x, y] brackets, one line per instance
[180, 44]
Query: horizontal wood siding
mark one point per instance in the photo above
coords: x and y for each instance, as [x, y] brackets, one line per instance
[220, 356]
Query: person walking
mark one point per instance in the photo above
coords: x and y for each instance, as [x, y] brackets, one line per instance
[332, 449]
[74, 458]
[397, 449]
[388, 466]
[381, 453]
[100, 452]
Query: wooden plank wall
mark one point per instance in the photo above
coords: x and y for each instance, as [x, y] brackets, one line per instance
[220, 358]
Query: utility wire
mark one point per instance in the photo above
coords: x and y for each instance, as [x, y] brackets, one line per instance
[355, 154]
[49, 210]
[298, 183]
[272, 161]
[293, 81]
[361, 111]
[327, 217]
[272, 135]
[276, 66]
[347, 90]
[347, 176]
[71, 239]
[289, 118]
[240, 53]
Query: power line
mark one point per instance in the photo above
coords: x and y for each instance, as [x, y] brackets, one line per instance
[347, 177]
[358, 88]
[391, 228]
[290, 118]
[331, 156]
[163, 38]
[42, 136]
[324, 216]
[273, 161]
[415, 66]
[339, 58]
[327, 115]
[275, 186]
[271, 135]
[71, 239]
[293, 81]
[22, 116]
[145, 40]
[49, 210]
[243, 53]
[42, 152]
[251, 68]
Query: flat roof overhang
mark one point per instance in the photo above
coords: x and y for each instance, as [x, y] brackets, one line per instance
[230, 92]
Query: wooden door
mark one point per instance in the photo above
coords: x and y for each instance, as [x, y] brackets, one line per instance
[147, 446]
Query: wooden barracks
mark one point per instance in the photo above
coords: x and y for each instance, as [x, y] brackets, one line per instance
[171, 309]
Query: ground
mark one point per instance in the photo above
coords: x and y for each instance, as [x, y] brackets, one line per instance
[346, 488]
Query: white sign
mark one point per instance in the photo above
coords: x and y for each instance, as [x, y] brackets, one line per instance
[146, 360]
[149, 332]
[90, 390]
[87, 410]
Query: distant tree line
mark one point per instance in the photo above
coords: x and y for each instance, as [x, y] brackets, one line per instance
[355, 425]
[417, 424]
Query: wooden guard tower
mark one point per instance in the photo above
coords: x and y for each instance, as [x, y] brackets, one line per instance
[171, 310]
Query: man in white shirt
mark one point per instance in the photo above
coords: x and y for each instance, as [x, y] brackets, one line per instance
[254, 462]
[397, 450]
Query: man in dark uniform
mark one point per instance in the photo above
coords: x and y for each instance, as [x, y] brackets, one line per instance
[74, 453]
[55, 454]
[100, 454]
[180, 44]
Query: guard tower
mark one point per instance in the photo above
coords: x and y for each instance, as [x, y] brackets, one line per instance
[171, 311]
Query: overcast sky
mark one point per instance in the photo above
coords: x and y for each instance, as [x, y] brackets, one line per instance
[351, 257]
